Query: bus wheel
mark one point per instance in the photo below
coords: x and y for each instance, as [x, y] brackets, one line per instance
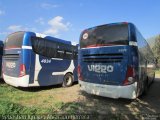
[145, 87]
[67, 80]
[153, 78]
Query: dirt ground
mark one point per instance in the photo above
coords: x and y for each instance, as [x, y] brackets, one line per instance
[146, 107]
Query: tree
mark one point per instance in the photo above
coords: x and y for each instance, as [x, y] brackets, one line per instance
[156, 49]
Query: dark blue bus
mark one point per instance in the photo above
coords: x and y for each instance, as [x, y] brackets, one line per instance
[1, 54]
[32, 59]
[115, 61]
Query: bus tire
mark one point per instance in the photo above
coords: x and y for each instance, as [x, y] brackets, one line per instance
[146, 87]
[153, 78]
[67, 80]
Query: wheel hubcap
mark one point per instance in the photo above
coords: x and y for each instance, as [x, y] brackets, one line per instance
[68, 80]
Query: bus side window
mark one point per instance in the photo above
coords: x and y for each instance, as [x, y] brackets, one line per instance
[68, 52]
[60, 51]
[51, 49]
[75, 54]
[38, 45]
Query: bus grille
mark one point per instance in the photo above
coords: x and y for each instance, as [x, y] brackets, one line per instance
[103, 58]
[11, 56]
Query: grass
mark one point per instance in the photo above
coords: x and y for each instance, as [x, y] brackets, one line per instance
[7, 107]
[56, 100]
[14, 101]
[17, 101]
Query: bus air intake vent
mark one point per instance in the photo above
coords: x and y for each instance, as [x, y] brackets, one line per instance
[103, 58]
[11, 56]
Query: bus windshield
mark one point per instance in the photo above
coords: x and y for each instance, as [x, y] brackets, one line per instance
[105, 35]
[14, 40]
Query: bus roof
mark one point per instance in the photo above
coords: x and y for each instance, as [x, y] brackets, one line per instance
[44, 36]
[117, 23]
[51, 38]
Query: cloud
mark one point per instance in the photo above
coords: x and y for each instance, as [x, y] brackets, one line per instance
[74, 43]
[56, 26]
[14, 28]
[40, 21]
[4, 33]
[48, 6]
[2, 12]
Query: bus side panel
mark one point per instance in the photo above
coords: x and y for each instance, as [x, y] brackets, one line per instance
[29, 56]
[32, 67]
[50, 71]
[142, 71]
[35, 68]
[137, 61]
[146, 66]
[26, 53]
[45, 73]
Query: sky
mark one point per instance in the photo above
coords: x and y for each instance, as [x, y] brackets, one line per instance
[66, 19]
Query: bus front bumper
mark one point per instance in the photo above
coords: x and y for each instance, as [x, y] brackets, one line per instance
[17, 81]
[112, 91]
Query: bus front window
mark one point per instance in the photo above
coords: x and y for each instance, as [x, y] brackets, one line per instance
[105, 35]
